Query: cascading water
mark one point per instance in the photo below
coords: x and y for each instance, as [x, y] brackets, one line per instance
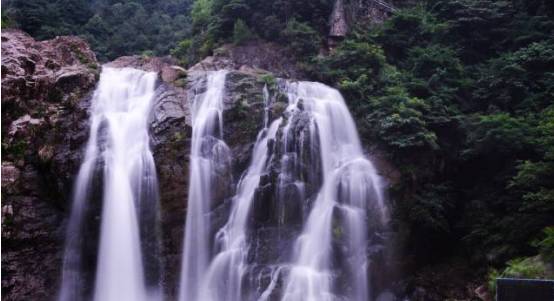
[208, 153]
[119, 145]
[350, 189]
[316, 181]
[227, 270]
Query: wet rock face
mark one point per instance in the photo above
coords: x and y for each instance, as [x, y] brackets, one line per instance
[46, 89]
[170, 132]
[243, 116]
[166, 67]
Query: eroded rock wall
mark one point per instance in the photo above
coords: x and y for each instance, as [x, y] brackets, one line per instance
[44, 126]
[47, 89]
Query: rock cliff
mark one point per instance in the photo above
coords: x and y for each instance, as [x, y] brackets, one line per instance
[47, 88]
[44, 125]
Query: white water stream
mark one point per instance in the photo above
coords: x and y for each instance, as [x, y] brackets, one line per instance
[207, 151]
[350, 186]
[119, 140]
[225, 275]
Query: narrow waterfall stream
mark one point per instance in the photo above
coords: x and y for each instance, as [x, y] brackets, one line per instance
[208, 153]
[118, 171]
[224, 278]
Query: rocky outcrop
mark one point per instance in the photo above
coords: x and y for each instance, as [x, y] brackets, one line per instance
[338, 26]
[361, 12]
[43, 130]
[244, 99]
[254, 57]
[40, 76]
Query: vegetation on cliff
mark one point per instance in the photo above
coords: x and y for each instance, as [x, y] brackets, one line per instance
[460, 95]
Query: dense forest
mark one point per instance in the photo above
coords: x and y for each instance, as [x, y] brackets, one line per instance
[113, 28]
[459, 95]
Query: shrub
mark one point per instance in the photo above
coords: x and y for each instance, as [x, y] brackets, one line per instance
[526, 268]
[302, 39]
[241, 32]
[546, 244]
[183, 51]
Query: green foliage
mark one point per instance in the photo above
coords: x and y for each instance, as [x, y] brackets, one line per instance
[546, 243]
[518, 81]
[241, 32]
[496, 26]
[529, 268]
[365, 61]
[183, 51]
[430, 209]
[269, 79]
[466, 118]
[7, 19]
[525, 268]
[112, 28]
[46, 19]
[201, 12]
[491, 280]
[302, 23]
[497, 134]
[533, 177]
[147, 53]
[401, 124]
[302, 39]
[409, 28]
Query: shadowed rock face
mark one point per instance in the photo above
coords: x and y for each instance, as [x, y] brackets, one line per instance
[338, 25]
[46, 89]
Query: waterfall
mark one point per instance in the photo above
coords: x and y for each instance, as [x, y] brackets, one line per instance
[316, 180]
[350, 189]
[227, 270]
[118, 168]
[209, 153]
